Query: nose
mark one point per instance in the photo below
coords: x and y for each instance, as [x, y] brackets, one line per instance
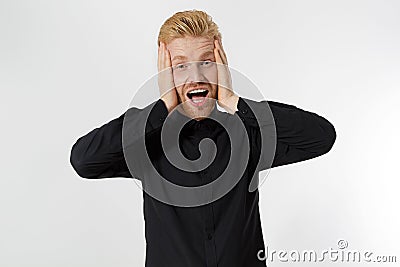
[195, 74]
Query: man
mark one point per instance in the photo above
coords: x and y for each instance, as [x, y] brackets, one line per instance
[217, 225]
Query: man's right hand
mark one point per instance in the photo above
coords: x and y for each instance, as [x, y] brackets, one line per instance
[166, 83]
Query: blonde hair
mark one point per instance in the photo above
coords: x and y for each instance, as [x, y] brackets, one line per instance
[194, 23]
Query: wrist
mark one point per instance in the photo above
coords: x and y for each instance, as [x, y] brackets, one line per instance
[169, 104]
[229, 103]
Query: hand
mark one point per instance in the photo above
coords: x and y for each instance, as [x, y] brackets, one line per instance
[166, 83]
[226, 97]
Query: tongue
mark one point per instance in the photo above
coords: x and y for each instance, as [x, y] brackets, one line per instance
[197, 97]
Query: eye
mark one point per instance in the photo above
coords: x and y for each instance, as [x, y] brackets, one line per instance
[180, 66]
[206, 63]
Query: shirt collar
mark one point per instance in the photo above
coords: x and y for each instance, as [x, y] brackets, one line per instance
[193, 126]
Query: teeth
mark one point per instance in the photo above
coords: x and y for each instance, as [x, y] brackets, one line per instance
[197, 100]
[197, 91]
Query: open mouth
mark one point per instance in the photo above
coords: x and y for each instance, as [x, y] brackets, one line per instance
[197, 96]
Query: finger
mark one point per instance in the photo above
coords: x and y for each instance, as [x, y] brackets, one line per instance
[222, 52]
[167, 79]
[223, 73]
[162, 56]
[158, 58]
[162, 77]
[220, 64]
[220, 55]
[222, 49]
[223, 56]
[168, 68]
[168, 58]
[216, 54]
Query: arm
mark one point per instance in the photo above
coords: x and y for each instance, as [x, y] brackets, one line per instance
[100, 153]
[300, 135]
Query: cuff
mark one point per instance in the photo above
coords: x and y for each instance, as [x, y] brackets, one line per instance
[254, 113]
[157, 116]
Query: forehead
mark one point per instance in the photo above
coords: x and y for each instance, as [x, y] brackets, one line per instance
[190, 47]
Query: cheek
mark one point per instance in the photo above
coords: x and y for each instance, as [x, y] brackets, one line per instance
[214, 89]
[211, 75]
[179, 90]
[179, 78]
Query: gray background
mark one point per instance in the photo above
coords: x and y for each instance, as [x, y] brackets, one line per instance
[68, 67]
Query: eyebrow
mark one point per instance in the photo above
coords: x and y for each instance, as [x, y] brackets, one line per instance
[204, 55]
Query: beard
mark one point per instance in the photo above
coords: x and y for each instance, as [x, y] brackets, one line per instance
[187, 108]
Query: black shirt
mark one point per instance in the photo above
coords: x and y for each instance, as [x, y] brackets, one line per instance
[223, 232]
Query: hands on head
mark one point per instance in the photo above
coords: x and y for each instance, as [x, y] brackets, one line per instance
[166, 83]
[225, 96]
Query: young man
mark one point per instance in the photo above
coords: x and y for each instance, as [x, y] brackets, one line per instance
[191, 217]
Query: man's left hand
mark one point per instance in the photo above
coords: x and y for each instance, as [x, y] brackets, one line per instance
[226, 97]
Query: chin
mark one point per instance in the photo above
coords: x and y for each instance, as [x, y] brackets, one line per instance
[198, 112]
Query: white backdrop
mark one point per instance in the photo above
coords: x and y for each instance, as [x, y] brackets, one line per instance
[67, 67]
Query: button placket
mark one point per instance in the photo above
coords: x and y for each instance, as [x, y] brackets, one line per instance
[211, 253]
[209, 236]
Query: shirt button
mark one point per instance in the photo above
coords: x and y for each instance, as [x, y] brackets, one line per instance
[162, 119]
[209, 236]
[244, 111]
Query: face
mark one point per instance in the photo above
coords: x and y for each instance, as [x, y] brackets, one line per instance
[195, 74]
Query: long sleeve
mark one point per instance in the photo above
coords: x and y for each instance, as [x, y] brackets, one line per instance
[100, 153]
[299, 135]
